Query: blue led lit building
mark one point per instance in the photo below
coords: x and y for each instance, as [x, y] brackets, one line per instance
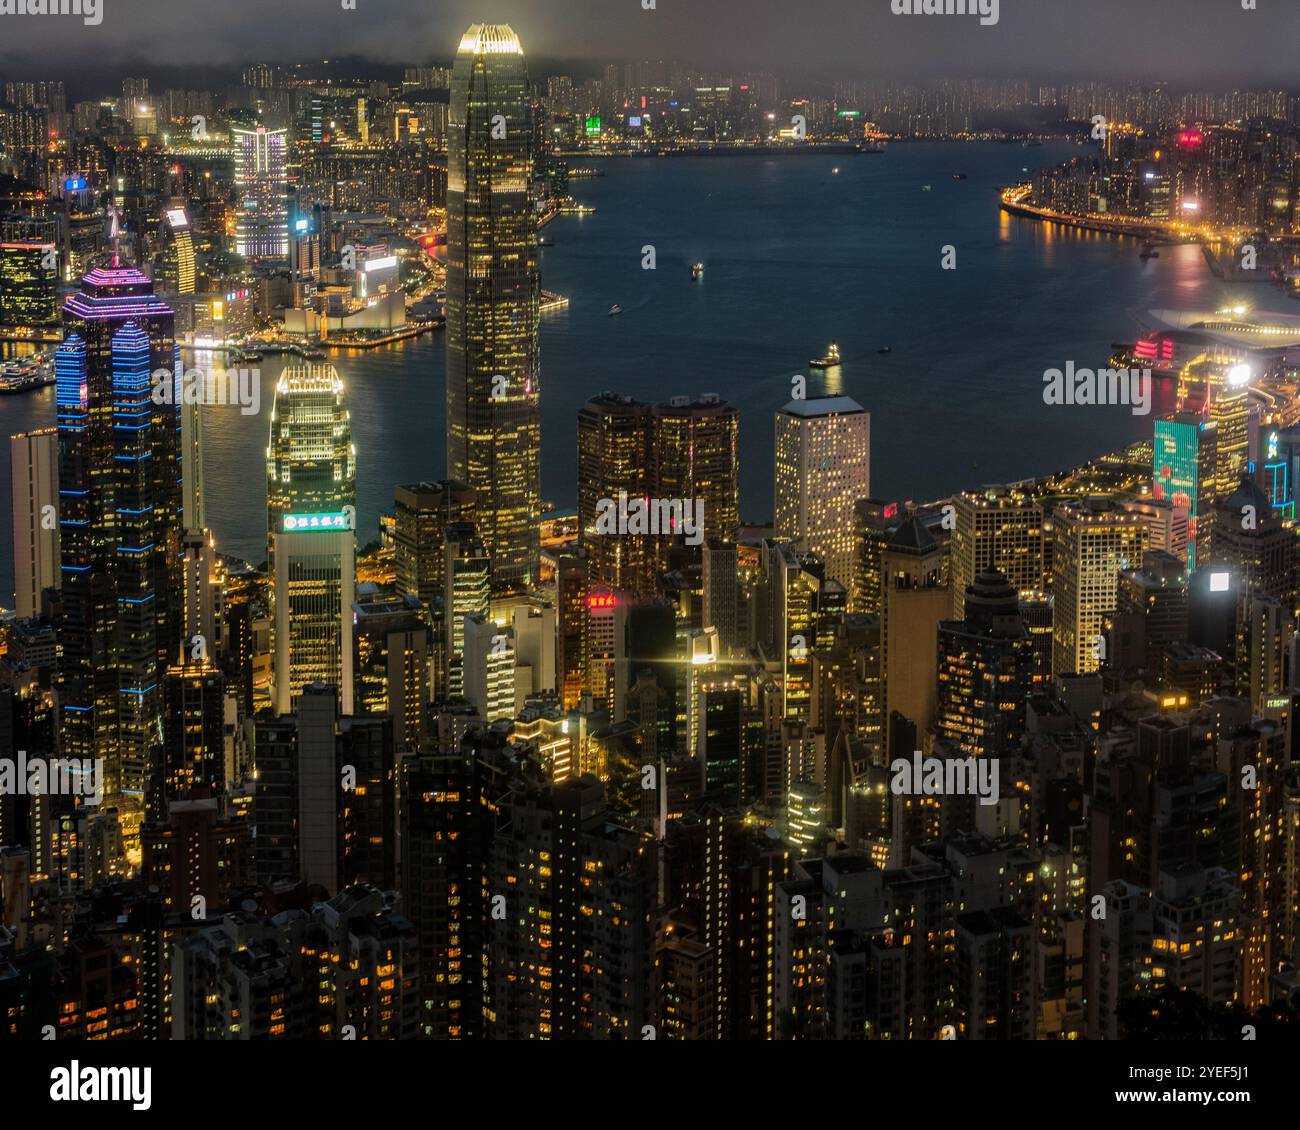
[120, 527]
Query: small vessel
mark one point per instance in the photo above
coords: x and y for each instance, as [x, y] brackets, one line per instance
[925, 188]
[315, 354]
[697, 271]
[885, 349]
[251, 357]
[25, 373]
[958, 176]
[1149, 252]
[835, 171]
[831, 359]
[615, 309]
[544, 242]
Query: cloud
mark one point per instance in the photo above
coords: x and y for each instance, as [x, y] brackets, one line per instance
[1190, 41]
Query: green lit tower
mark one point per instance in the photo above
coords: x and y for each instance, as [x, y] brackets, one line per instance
[311, 463]
[493, 371]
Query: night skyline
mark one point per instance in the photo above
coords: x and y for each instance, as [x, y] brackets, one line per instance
[621, 523]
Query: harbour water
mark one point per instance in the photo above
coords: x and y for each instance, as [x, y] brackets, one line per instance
[796, 255]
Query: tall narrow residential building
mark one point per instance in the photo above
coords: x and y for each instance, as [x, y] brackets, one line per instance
[823, 467]
[493, 297]
[120, 527]
[34, 481]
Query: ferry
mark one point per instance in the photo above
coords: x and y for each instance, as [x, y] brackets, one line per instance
[315, 354]
[697, 271]
[615, 309]
[831, 359]
[25, 373]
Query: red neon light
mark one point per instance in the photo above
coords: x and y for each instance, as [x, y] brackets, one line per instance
[600, 602]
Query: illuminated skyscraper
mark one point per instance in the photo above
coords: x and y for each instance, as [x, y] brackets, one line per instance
[986, 665]
[1184, 459]
[1233, 414]
[315, 586]
[120, 527]
[823, 467]
[29, 272]
[424, 513]
[178, 252]
[694, 445]
[467, 595]
[997, 529]
[493, 294]
[1095, 541]
[614, 456]
[261, 181]
[34, 479]
[310, 459]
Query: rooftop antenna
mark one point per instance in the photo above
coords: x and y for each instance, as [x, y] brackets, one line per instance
[114, 230]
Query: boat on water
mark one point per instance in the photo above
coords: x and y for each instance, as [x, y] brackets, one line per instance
[1149, 252]
[958, 176]
[250, 357]
[315, 354]
[27, 373]
[925, 188]
[885, 349]
[697, 271]
[546, 243]
[831, 359]
[615, 309]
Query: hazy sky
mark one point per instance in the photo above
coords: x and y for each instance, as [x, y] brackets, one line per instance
[1187, 42]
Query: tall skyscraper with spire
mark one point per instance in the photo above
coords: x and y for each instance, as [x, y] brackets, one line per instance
[120, 526]
[493, 295]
